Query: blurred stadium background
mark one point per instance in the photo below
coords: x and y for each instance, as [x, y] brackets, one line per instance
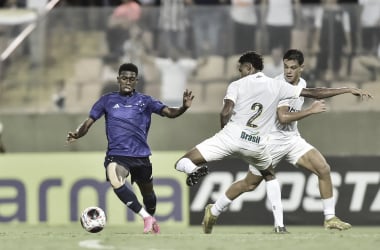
[55, 62]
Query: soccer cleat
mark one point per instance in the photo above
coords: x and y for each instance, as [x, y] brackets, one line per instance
[280, 230]
[156, 227]
[196, 175]
[209, 220]
[148, 224]
[336, 223]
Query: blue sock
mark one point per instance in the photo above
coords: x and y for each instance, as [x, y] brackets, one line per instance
[150, 202]
[128, 197]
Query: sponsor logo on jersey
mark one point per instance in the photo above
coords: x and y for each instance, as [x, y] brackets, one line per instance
[250, 137]
[292, 109]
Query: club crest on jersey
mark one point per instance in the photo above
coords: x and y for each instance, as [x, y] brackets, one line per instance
[251, 137]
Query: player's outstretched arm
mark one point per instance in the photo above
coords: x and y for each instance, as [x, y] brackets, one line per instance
[284, 116]
[172, 112]
[80, 131]
[321, 93]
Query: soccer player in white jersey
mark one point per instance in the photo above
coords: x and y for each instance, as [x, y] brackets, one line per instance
[247, 117]
[286, 143]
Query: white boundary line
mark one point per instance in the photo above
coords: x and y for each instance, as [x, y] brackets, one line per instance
[93, 244]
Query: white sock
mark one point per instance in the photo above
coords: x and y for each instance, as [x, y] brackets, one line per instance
[143, 213]
[185, 165]
[220, 205]
[328, 208]
[274, 196]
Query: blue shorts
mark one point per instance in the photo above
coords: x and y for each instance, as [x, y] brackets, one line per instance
[140, 168]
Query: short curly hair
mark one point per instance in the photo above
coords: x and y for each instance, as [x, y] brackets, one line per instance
[129, 67]
[253, 58]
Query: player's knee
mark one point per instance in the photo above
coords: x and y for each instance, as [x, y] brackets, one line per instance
[116, 183]
[247, 186]
[116, 176]
[323, 170]
[250, 187]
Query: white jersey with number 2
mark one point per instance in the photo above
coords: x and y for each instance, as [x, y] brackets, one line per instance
[256, 98]
[285, 141]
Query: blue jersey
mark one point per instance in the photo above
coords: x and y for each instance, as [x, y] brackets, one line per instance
[127, 121]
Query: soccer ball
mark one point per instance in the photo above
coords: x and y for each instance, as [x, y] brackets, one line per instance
[93, 219]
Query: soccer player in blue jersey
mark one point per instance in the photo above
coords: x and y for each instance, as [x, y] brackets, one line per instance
[127, 119]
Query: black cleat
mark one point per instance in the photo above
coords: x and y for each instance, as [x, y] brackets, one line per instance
[193, 178]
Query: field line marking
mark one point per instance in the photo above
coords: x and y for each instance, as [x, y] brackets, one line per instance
[93, 244]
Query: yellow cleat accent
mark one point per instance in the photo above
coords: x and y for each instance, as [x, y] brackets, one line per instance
[336, 223]
[209, 220]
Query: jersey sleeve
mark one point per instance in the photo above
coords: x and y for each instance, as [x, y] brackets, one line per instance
[98, 109]
[288, 91]
[283, 103]
[232, 92]
[156, 106]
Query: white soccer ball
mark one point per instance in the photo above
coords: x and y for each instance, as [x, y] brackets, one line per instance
[93, 219]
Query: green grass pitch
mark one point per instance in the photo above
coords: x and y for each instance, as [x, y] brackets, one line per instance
[17, 236]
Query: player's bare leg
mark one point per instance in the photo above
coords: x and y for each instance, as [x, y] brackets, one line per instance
[117, 175]
[314, 161]
[249, 183]
[212, 211]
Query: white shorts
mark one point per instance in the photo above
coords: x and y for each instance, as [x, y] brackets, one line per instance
[290, 149]
[234, 141]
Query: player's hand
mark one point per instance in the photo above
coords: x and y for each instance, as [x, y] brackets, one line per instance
[318, 106]
[187, 98]
[361, 93]
[71, 137]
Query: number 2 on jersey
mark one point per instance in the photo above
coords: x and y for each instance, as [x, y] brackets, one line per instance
[257, 109]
